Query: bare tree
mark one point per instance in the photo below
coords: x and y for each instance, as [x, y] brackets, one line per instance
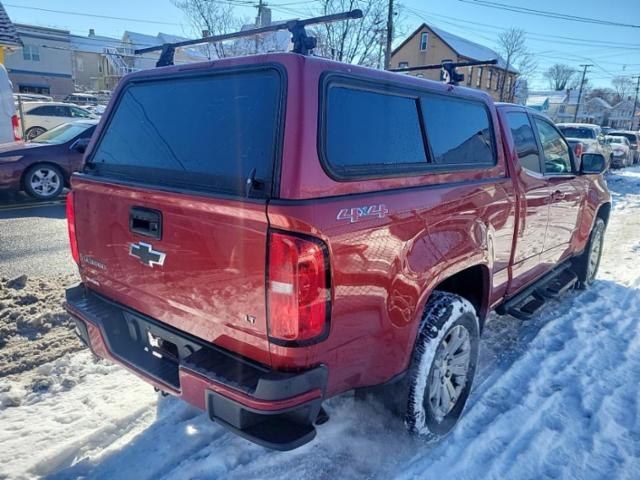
[356, 41]
[623, 87]
[606, 94]
[214, 17]
[512, 47]
[559, 76]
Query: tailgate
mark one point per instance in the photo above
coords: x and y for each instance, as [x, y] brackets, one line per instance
[204, 274]
[171, 210]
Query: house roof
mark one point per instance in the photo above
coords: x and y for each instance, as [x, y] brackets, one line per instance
[8, 33]
[600, 101]
[462, 46]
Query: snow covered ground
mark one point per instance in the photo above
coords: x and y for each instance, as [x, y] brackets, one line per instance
[555, 397]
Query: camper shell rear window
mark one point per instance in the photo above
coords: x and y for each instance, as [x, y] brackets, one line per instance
[207, 131]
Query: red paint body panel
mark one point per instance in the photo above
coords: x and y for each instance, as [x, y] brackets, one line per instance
[383, 269]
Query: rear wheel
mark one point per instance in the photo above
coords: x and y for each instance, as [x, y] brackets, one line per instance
[587, 264]
[44, 182]
[33, 132]
[443, 366]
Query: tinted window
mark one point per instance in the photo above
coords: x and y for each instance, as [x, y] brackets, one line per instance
[459, 131]
[578, 132]
[367, 129]
[47, 110]
[525, 141]
[79, 113]
[633, 139]
[557, 158]
[207, 132]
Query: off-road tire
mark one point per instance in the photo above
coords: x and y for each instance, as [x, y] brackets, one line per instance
[586, 275]
[444, 313]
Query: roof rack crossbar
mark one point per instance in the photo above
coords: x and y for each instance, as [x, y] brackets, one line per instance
[302, 43]
[448, 67]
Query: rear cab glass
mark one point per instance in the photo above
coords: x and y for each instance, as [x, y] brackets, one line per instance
[578, 132]
[206, 132]
[372, 130]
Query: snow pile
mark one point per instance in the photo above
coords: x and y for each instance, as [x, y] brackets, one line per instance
[34, 328]
[555, 397]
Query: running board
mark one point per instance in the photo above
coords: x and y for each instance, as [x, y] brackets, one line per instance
[526, 303]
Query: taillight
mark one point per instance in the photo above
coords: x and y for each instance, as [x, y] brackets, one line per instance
[15, 124]
[71, 224]
[298, 289]
[578, 149]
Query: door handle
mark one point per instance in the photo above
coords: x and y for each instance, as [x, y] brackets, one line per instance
[558, 195]
[146, 222]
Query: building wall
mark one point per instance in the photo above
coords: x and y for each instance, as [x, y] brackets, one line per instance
[437, 51]
[43, 62]
[87, 71]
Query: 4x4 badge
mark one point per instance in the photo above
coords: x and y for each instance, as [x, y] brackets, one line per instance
[146, 254]
[357, 213]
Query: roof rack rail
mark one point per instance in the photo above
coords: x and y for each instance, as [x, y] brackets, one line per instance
[448, 67]
[302, 43]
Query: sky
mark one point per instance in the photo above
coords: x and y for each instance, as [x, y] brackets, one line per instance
[613, 50]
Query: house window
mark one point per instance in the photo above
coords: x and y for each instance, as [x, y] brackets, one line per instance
[469, 75]
[424, 39]
[479, 79]
[562, 108]
[509, 78]
[31, 52]
[403, 65]
[499, 76]
[489, 79]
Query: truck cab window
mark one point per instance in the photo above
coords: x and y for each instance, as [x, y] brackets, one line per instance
[557, 158]
[525, 141]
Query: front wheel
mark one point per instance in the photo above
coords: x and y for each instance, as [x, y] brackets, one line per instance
[44, 182]
[587, 264]
[443, 366]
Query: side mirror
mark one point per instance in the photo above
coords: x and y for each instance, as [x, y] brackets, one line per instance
[593, 163]
[80, 145]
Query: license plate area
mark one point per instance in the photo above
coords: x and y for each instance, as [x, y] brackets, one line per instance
[148, 347]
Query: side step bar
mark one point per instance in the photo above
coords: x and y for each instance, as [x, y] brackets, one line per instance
[526, 303]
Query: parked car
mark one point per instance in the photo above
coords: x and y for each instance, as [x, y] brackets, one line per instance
[9, 123]
[589, 135]
[257, 272]
[97, 110]
[31, 97]
[634, 142]
[621, 151]
[42, 167]
[39, 117]
[83, 99]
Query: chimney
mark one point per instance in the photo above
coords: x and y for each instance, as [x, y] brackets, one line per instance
[92, 32]
[265, 17]
[206, 33]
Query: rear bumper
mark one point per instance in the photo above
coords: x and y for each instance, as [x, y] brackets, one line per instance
[271, 408]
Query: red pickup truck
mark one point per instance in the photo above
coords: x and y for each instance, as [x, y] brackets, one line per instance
[257, 235]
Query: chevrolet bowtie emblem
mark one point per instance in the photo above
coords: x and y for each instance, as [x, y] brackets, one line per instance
[146, 254]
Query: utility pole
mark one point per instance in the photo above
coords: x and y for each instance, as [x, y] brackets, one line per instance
[387, 52]
[584, 73]
[258, 24]
[635, 103]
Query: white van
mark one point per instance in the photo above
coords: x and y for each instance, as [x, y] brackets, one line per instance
[9, 125]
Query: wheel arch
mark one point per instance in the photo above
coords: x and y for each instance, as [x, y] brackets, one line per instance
[604, 212]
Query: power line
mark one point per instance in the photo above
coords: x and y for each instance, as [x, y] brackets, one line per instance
[547, 14]
[81, 14]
